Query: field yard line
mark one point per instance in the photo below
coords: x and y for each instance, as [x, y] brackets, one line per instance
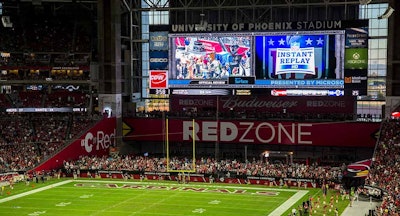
[286, 205]
[117, 204]
[153, 204]
[34, 191]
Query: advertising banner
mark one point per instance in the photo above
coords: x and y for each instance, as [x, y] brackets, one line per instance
[158, 79]
[158, 60]
[343, 104]
[356, 81]
[339, 134]
[95, 142]
[357, 38]
[356, 58]
[159, 41]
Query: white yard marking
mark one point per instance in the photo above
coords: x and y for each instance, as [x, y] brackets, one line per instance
[155, 204]
[62, 204]
[290, 202]
[34, 191]
[86, 196]
[37, 213]
[215, 202]
[199, 210]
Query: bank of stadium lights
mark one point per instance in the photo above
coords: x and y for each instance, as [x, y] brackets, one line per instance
[389, 11]
[365, 2]
[6, 21]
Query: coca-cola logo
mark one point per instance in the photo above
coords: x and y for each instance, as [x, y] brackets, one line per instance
[158, 79]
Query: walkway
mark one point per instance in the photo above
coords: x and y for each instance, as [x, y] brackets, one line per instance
[359, 208]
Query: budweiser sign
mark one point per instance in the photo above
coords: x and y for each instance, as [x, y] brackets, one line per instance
[255, 102]
[265, 103]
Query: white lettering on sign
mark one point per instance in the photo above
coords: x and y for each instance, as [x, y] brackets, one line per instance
[255, 102]
[196, 102]
[101, 141]
[248, 132]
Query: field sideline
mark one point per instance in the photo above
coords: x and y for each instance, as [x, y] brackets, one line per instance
[117, 197]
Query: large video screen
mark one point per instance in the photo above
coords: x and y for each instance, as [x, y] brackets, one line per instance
[274, 60]
[210, 57]
[299, 56]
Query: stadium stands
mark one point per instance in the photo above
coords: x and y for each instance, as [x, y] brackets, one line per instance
[26, 139]
[50, 43]
[384, 173]
[207, 166]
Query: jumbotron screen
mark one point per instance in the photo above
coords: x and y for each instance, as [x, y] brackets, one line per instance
[210, 57]
[300, 57]
[263, 60]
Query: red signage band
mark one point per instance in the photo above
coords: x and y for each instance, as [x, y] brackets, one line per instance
[351, 134]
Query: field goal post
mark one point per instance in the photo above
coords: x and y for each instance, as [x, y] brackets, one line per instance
[182, 171]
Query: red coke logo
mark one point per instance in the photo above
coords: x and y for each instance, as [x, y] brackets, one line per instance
[158, 79]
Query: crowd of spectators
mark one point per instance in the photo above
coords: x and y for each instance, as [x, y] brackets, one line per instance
[207, 166]
[28, 138]
[45, 32]
[384, 173]
[38, 44]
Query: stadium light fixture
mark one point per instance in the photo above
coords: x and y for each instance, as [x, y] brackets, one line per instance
[6, 22]
[365, 2]
[389, 11]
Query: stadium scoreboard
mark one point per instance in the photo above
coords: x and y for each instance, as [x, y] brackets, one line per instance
[331, 60]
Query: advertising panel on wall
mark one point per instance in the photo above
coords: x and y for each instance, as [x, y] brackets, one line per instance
[340, 105]
[158, 40]
[97, 141]
[356, 81]
[356, 61]
[357, 37]
[158, 79]
[255, 132]
[356, 58]
[158, 60]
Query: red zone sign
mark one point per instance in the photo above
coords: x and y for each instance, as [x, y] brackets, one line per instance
[256, 132]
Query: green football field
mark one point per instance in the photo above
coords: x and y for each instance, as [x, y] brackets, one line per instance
[116, 197]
